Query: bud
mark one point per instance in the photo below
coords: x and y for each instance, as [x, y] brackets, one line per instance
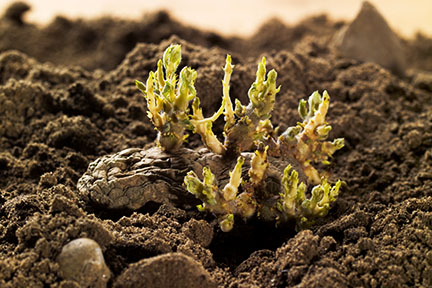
[230, 190]
[227, 223]
[171, 60]
[302, 109]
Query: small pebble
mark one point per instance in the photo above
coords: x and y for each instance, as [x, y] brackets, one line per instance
[81, 260]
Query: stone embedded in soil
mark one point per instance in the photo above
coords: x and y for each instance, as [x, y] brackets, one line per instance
[81, 260]
[370, 38]
[168, 270]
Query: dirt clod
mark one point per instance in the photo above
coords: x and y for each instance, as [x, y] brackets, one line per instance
[168, 270]
[198, 231]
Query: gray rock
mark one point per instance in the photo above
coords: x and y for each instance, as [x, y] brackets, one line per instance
[168, 270]
[370, 38]
[81, 260]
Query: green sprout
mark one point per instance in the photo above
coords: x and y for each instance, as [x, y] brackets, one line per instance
[305, 141]
[168, 99]
[223, 202]
[294, 204]
[259, 165]
[251, 138]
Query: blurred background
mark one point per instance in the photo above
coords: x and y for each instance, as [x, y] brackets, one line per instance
[239, 17]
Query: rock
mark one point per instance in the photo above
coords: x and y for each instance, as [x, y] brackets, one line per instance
[81, 260]
[168, 270]
[370, 38]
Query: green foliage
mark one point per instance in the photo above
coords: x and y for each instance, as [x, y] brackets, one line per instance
[294, 204]
[168, 98]
[223, 202]
[247, 128]
[306, 141]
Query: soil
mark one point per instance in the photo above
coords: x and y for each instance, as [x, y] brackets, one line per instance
[68, 97]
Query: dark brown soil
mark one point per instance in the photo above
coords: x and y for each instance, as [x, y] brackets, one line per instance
[58, 116]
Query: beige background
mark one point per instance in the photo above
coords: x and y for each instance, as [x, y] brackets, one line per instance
[237, 17]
